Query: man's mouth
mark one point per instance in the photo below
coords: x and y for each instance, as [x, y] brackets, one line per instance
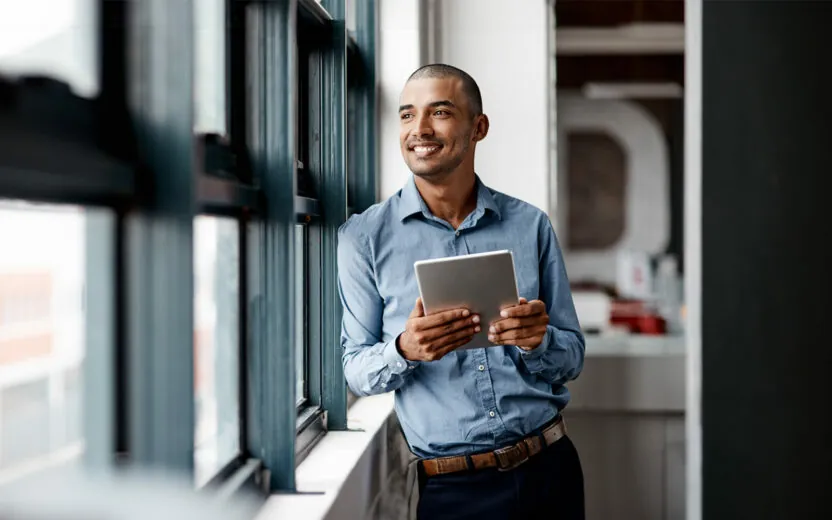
[425, 150]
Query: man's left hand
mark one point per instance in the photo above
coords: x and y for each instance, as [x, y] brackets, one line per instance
[523, 325]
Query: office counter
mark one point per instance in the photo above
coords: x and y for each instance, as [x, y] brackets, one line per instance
[627, 419]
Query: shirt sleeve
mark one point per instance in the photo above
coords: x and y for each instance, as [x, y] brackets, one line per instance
[560, 357]
[371, 366]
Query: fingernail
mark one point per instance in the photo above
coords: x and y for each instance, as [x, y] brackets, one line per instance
[504, 314]
[465, 312]
[490, 338]
[492, 330]
[476, 329]
[475, 319]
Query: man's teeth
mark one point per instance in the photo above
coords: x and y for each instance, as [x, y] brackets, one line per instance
[425, 149]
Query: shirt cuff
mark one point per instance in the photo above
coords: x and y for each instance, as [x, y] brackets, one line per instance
[534, 355]
[394, 360]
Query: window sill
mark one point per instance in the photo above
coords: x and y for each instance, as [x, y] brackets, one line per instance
[320, 477]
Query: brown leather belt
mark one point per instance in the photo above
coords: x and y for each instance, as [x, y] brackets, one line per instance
[504, 459]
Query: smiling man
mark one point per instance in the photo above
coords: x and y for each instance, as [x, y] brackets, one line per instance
[485, 423]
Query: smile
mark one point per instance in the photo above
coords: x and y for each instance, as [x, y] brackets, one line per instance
[427, 150]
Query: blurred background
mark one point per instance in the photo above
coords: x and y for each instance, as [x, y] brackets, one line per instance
[173, 174]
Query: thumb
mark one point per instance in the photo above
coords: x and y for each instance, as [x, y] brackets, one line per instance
[418, 309]
[523, 301]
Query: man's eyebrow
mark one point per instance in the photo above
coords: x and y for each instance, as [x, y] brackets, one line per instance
[441, 103]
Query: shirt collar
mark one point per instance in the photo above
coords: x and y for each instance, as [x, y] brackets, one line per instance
[412, 202]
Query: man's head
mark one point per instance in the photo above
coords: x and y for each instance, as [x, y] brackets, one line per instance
[440, 117]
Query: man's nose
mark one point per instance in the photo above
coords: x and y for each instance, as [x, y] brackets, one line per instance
[422, 126]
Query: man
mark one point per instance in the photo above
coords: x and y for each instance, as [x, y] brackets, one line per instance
[485, 423]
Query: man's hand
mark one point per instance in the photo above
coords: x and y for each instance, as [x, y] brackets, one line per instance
[523, 325]
[429, 338]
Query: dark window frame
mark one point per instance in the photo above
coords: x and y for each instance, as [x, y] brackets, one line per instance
[145, 170]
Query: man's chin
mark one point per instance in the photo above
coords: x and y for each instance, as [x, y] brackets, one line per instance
[428, 171]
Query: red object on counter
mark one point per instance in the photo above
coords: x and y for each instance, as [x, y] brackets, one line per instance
[635, 315]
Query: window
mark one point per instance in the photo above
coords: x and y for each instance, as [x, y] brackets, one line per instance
[218, 273]
[301, 306]
[61, 45]
[42, 341]
[168, 258]
[216, 345]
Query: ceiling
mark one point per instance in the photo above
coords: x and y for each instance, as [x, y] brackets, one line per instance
[615, 41]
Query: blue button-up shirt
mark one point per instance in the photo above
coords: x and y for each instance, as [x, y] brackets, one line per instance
[470, 400]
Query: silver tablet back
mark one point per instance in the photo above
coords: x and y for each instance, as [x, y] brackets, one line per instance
[484, 283]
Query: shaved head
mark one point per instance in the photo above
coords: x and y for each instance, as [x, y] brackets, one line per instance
[443, 71]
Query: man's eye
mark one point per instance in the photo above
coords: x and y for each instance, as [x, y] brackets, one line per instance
[405, 116]
[441, 113]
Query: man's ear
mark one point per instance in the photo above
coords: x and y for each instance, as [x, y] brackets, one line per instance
[481, 125]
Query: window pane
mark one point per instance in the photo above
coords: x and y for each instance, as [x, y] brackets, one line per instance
[351, 22]
[301, 242]
[216, 344]
[53, 38]
[42, 340]
[209, 78]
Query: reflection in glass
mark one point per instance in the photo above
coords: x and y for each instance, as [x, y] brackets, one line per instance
[42, 336]
[209, 73]
[51, 38]
[216, 344]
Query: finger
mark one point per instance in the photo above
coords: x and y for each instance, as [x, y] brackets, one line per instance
[528, 309]
[523, 301]
[448, 328]
[439, 354]
[418, 309]
[511, 337]
[440, 318]
[452, 338]
[513, 323]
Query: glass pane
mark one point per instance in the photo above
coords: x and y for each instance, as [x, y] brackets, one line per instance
[301, 242]
[209, 78]
[52, 38]
[216, 344]
[42, 336]
[351, 4]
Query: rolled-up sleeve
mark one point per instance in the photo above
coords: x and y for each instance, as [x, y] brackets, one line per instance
[371, 366]
[560, 357]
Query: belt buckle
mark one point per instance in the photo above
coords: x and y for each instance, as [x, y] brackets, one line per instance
[511, 457]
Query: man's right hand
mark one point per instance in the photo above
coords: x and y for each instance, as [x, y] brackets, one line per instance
[429, 338]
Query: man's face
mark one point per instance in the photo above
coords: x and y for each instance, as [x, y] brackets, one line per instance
[436, 126]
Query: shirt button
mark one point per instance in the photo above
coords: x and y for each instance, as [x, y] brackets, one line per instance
[399, 364]
[481, 368]
[384, 385]
[457, 233]
[491, 413]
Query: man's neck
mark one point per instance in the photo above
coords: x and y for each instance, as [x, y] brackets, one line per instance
[451, 199]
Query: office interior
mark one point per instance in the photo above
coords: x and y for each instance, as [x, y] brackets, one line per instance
[173, 175]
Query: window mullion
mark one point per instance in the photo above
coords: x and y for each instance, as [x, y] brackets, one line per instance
[334, 211]
[364, 178]
[159, 246]
[271, 360]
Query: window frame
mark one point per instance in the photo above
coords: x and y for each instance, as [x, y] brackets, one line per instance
[155, 176]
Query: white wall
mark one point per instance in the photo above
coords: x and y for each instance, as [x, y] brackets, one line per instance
[505, 48]
[399, 55]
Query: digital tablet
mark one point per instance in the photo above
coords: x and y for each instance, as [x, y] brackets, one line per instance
[484, 283]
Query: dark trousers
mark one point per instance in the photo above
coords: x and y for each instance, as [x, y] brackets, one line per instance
[547, 486]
